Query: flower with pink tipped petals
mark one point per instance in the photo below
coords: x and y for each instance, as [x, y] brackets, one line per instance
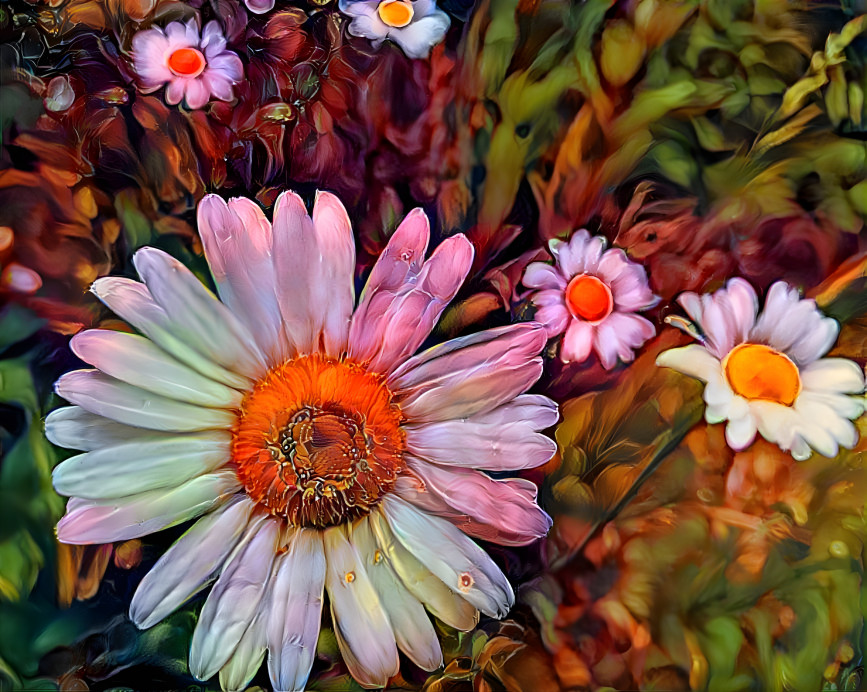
[316, 451]
[592, 294]
[194, 68]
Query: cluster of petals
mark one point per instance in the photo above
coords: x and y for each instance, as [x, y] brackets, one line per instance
[155, 418]
[192, 67]
[414, 25]
[591, 295]
[765, 372]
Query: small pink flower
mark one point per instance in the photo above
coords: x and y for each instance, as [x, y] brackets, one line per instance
[194, 68]
[592, 294]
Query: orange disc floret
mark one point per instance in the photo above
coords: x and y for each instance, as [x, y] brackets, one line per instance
[589, 298]
[187, 62]
[318, 441]
[756, 371]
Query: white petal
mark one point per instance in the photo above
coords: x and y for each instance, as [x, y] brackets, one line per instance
[362, 628]
[234, 600]
[242, 667]
[420, 35]
[295, 614]
[74, 428]
[833, 375]
[193, 310]
[741, 432]
[190, 563]
[413, 630]
[821, 421]
[106, 396]
[137, 467]
[453, 557]
[107, 521]
[140, 362]
[693, 360]
[132, 302]
[444, 603]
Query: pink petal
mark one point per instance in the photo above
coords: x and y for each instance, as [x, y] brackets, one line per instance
[396, 323]
[315, 263]
[542, 275]
[470, 374]
[618, 335]
[577, 343]
[396, 268]
[507, 505]
[107, 521]
[196, 93]
[555, 318]
[496, 440]
[237, 239]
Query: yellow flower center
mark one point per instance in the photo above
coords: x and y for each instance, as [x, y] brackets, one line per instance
[187, 62]
[589, 298]
[318, 441]
[756, 371]
[396, 13]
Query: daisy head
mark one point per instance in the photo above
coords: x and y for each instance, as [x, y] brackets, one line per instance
[766, 374]
[414, 25]
[317, 452]
[195, 68]
[591, 295]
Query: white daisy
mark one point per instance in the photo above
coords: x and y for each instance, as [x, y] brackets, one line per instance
[765, 373]
[414, 25]
[319, 454]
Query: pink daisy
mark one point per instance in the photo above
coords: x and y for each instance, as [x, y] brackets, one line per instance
[317, 452]
[592, 294]
[194, 68]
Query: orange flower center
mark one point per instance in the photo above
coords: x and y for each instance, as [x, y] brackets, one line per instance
[187, 62]
[756, 371]
[396, 13]
[318, 441]
[589, 298]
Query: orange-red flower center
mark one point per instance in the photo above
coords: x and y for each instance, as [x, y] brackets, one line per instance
[756, 371]
[396, 13]
[318, 441]
[589, 298]
[187, 62]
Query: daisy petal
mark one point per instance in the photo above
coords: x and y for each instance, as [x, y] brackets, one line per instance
[97, 521]
[438, 598]
[450, 555]
[243, 665]
[741, 432]
[192, 308]
[137, 467]
[74, 428]
[408, 318]
[419, 36]
[237, 239]
[509, 505]
[296, 610]
[413, 630]
[234, 600]
[577, 342]
[833, 375]
[189, 564]
[133, 303]
[471, 374]
[543, 275]
[138, 361]
[693, 360]
[362, 628]
[106, 396]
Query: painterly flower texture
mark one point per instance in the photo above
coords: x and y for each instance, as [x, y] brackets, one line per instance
[319, 452]
[192, 67]
[765, 373]
[591, 296]
[414, 25]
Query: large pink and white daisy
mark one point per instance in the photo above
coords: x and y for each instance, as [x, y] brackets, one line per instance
[319, 453]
